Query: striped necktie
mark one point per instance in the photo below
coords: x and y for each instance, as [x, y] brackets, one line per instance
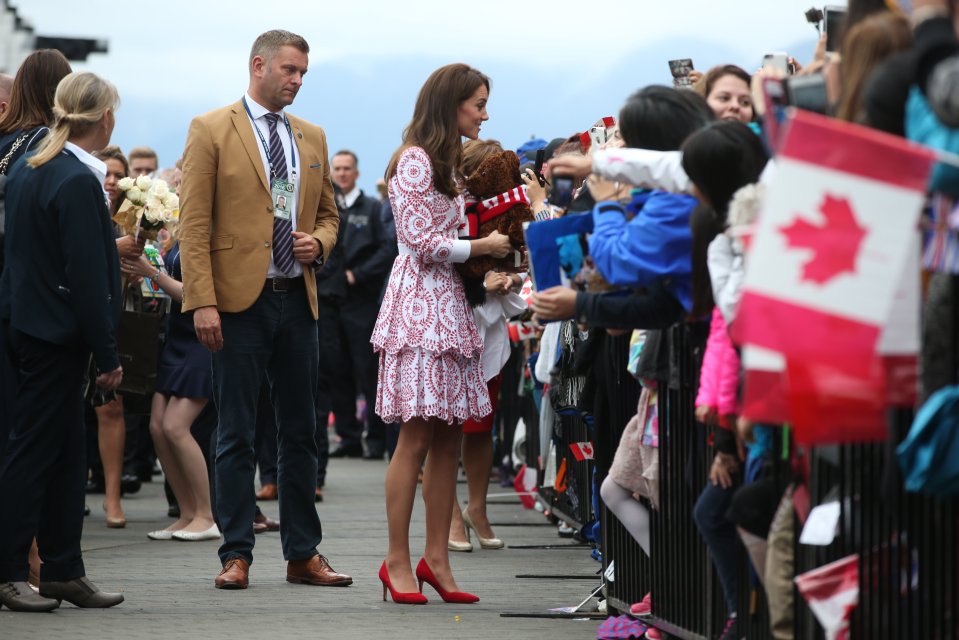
[282, 229]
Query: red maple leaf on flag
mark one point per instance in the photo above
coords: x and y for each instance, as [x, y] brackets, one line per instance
[834, 245]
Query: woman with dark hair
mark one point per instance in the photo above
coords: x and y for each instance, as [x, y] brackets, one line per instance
[111, 427]
[726, 89]
[652, 250]
[22, 127]
[430, 375]
[720, 160]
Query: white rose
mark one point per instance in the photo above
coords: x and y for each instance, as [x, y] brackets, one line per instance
[153, 203]
[134, 195]
[171, 201]
[160, 188]
[126, 184]
[144, 183]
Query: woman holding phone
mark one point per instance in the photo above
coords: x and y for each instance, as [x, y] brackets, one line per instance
[430, 375]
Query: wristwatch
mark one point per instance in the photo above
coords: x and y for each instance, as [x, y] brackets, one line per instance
[156, 275]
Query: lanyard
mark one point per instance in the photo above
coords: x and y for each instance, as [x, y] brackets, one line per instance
[266, 147]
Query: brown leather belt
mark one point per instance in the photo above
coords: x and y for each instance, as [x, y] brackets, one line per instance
[279, 285]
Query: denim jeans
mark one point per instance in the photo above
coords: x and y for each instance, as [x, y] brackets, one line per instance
[724, 545]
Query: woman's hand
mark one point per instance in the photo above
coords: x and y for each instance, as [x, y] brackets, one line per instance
[130, 248]
[695, 76]
[556, 303]
[139, 266]
[570, 165]
[723, 469]
[534, 190]
[496, 245]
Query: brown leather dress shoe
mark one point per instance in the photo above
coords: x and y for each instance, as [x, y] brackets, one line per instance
[267, 492]
[235, 575]
[316, 571]
[262, 523]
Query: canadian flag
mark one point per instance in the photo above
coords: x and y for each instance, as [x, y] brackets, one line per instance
[582, 451]
[525, 485]
[832, 592]
[828, 260]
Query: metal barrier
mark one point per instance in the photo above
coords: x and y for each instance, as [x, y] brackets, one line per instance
[909, 562]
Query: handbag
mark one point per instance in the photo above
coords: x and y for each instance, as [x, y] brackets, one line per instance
[138, 338]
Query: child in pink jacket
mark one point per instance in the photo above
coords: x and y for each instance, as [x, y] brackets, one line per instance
[716, 402]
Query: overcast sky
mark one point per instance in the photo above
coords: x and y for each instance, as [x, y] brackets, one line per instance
[555, 66]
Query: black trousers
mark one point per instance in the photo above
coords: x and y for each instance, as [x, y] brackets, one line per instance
[43, 470]
[275, 338]
[346, 353]
[265, 439]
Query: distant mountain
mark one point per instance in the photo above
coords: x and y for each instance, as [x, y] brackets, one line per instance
[364, 104]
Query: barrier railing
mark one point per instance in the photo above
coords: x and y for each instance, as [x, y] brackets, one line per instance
[907, 544]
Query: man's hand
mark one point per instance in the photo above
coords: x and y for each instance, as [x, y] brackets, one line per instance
[350, 278]
[306, 248]
[206, 320]
[110, 380]
[129, 248]
[556, 303]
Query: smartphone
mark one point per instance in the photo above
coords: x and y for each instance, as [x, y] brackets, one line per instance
[834, 18]
[598, 136]
[561, 194]
[538, 167]
[778, 61]
[680, 69]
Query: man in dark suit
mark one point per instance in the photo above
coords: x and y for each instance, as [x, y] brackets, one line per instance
[350, 291]
[248, 276]
[60, 301]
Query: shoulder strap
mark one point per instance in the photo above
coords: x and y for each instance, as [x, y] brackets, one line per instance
[5, 162]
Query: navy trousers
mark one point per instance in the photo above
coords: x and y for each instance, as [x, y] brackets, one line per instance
[275, 338]
[43, 470]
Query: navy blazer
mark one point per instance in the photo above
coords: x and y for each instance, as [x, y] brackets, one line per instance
[61, 281]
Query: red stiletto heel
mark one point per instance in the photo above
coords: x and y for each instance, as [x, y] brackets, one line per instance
[425, 574]
[399, 597]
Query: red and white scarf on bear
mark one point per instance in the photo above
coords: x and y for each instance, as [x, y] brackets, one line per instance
[490, 208]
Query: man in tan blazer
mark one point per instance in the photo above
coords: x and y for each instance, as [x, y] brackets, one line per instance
[248, 261]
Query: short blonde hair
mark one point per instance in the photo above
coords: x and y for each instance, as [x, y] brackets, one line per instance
[267, 44]
[81, 101]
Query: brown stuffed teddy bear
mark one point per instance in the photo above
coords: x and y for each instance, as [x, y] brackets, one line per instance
[501, 205]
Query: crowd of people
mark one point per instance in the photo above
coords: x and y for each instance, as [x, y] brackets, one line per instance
[292, 300]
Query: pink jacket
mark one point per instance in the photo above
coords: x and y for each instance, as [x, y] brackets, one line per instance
[719, 377]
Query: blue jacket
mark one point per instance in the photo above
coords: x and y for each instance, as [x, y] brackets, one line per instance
[655, 246]
[61, 280]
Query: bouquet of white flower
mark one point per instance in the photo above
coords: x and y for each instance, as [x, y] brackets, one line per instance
[148, 206]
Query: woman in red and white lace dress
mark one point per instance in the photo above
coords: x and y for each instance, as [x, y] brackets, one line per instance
[430, 376]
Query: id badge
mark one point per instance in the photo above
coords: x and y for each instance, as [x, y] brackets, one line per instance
[282, 193]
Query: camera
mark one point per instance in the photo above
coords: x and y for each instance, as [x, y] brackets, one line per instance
[807, 92]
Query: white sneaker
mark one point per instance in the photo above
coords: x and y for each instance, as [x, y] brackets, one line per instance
[213, 533]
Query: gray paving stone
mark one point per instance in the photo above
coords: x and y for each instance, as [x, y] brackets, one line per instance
[169, 585]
